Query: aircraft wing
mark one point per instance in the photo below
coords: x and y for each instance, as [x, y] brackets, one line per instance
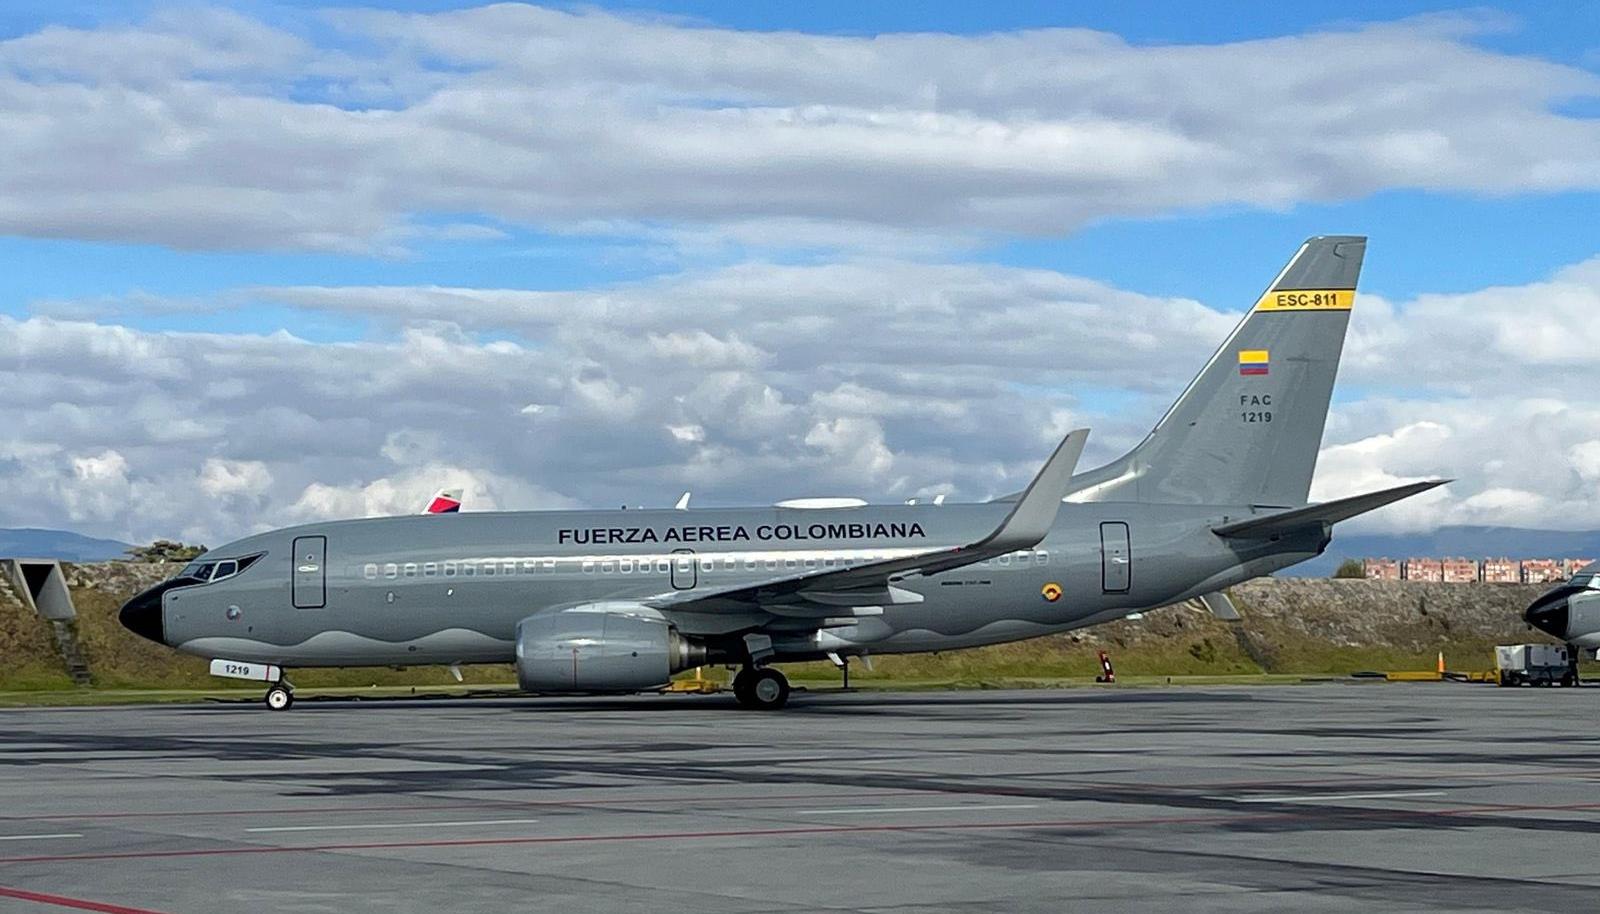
[1328, 512]
[1028, 522]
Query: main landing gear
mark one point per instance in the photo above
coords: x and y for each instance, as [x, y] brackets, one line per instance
[280, 696]
[761, 688]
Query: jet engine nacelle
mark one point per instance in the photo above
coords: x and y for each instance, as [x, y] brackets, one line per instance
[602, 647]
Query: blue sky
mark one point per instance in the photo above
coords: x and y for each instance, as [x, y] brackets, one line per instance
[649, 230]
[1427, 242]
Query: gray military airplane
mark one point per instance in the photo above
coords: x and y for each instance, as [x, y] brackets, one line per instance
[619, 601]
[1571, 611]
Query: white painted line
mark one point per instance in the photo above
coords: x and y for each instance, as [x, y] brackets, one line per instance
[1314, 798]
[37, 837]
[854, 811]
[276, 828]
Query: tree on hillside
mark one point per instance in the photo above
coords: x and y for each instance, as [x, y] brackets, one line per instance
[1351, 568]
[162, 551]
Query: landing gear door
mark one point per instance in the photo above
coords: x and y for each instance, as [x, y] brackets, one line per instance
[310, 570]
[1116, 561]
[684, 573]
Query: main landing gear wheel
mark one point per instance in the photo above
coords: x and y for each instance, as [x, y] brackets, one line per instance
[279, 698]
[764, 690]
[741, 686]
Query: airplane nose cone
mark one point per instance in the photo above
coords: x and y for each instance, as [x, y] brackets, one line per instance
[1550, 614]
[142, 614]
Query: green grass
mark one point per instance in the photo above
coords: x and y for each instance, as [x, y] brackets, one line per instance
[1188, 647]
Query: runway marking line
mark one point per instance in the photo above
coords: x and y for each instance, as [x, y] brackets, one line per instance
[1311, 798]
[79, 904]
[648, 836]
[775, 832]
[39, 837]
[284, 828]
[859, 810]
[698, 802]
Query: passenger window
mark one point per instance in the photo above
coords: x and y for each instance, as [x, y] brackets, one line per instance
[370, 571]
[429, 569]
[625, 566]
[1005, 559]
[788, 563]
[391, 570]
[529, 566]
[772, 564]
[663, 567]
[811, 563]
[468, 569]
[608, 567]
[707, 565]
[449, 569]
[488, 568]
[728, 564]
[588, 568]
[549, 564]
[411, 569]
[1041, 557]
[508, 568]
[749, 564]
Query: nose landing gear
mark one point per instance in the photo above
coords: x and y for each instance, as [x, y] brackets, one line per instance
[761, 688]
[280, 697]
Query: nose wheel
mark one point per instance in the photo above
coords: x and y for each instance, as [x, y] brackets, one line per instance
[279, 697]
[761, 689]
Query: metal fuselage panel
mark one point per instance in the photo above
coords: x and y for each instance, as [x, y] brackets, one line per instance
[451, 588]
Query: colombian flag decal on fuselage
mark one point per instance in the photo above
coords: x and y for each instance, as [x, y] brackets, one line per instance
[1253, 361]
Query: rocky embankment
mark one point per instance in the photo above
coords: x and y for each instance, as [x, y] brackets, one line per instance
[1289, 626]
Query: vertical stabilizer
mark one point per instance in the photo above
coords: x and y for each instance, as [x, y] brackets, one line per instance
[1248, 428]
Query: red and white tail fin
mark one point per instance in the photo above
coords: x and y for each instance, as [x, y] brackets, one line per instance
[444, 501]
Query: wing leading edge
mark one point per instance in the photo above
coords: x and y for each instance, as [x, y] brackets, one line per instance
[1028, 522]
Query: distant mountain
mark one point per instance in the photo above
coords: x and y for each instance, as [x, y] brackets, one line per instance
[33, 543]
[1469, 542]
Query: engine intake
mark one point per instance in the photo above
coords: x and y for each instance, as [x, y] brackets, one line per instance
[597, 649]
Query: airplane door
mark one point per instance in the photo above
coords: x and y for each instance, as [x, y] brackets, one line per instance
[684, 573]
[310, 572]
[1115, 558]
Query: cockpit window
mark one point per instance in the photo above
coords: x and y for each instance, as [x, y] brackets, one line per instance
[215, 571]
[200, 571]
[1584, 581]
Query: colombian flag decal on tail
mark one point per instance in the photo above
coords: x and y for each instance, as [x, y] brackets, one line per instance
[1253, 361]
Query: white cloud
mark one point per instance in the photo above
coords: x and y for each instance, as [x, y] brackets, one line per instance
[222, 478]
[879, 378]
[208, 129]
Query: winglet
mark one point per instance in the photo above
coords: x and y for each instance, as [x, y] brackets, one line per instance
[1034, 514]
[1328, 512]
[444, 501]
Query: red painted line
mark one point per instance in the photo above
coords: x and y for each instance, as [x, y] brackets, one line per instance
[696, 802]
[62, 901]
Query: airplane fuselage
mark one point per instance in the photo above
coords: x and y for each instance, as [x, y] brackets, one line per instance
[452, 589]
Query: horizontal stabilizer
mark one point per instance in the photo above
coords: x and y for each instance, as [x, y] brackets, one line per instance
[1328, 512]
